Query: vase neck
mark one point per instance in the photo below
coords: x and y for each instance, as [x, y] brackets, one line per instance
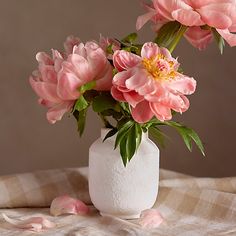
[104, 132]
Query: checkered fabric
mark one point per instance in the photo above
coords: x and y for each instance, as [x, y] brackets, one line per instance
[190, 206]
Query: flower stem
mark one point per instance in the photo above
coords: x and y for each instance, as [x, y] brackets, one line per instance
[177, 38]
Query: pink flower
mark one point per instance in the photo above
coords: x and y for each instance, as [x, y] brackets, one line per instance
[151, 84]
[86, 63]
[44, 82]
[58, 79]
[218, 14]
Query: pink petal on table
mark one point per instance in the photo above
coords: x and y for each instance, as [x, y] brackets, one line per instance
[67, 205]
[150, 219]
[36, 224]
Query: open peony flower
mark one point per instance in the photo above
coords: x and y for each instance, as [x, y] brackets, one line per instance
[58, 79]
[151, 84]
[35, 224]
[44, 82]
[218, 14]
[67, 205]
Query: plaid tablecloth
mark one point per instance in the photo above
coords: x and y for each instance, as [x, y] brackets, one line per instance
[190, 206]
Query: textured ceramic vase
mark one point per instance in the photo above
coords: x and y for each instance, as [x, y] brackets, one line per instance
[121, 191]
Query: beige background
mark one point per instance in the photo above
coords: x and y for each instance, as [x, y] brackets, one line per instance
[28, 142]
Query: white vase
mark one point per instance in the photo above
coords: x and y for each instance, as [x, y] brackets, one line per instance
[121, 191]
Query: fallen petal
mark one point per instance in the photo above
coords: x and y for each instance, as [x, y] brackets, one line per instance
[150, 219]
[68, 205]
[36, 224]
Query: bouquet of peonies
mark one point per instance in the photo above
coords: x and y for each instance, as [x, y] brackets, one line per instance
[133, 87]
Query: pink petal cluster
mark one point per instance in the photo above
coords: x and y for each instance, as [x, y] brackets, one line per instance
[35, 224]
[151, 83]
[58, 78]
[218, 14]
[150, 219]
[67, 205]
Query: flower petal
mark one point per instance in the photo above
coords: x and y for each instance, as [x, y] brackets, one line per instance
[182, 84]
[133, 98]
[143, 19]
[142, 112]
[187, 17]
[56, 112]
[229, 37]
[67, 205]
[47, 91]
[35, 224]
[124, 60]
[198, 37]
[162, 112]
[70, 42]
[117, 94]
[149, 50]
[214, 16]
[150, 219]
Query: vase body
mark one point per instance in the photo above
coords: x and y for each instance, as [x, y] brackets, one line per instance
[121, 191]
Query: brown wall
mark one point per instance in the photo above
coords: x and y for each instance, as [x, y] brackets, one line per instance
[28, 142]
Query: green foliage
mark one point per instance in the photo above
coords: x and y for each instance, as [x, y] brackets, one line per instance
[167, 33]
[170, 34]
[219, 40]
[158, 135]
[188, 135]
[131, 38]
[90, 85]
[128, 139]
[81, 120]
[104, 102]
[80, 104]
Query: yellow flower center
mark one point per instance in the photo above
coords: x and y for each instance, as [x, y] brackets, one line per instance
[159, 67]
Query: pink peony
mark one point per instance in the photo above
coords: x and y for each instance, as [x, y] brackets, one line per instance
[219, 14]
[58, 79]
[151, 84]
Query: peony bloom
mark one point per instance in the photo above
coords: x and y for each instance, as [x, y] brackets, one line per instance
[58, 79]
[151, 84]
[44, 82]
[218, 14]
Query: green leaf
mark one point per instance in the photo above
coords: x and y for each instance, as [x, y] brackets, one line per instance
[80, 104]
[158, 135]
[81, 120]
[110, 134]
[104, 102]
[130, 38]
[123, 152]
[122, 131]
[185, 137]
[125, 107]
[196, 139]
[131, 142]
[188, 135]
[167, 33]
[138, 134]
[219, 40]
[90, 85]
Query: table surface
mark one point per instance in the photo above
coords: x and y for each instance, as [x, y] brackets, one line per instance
[190, 206]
